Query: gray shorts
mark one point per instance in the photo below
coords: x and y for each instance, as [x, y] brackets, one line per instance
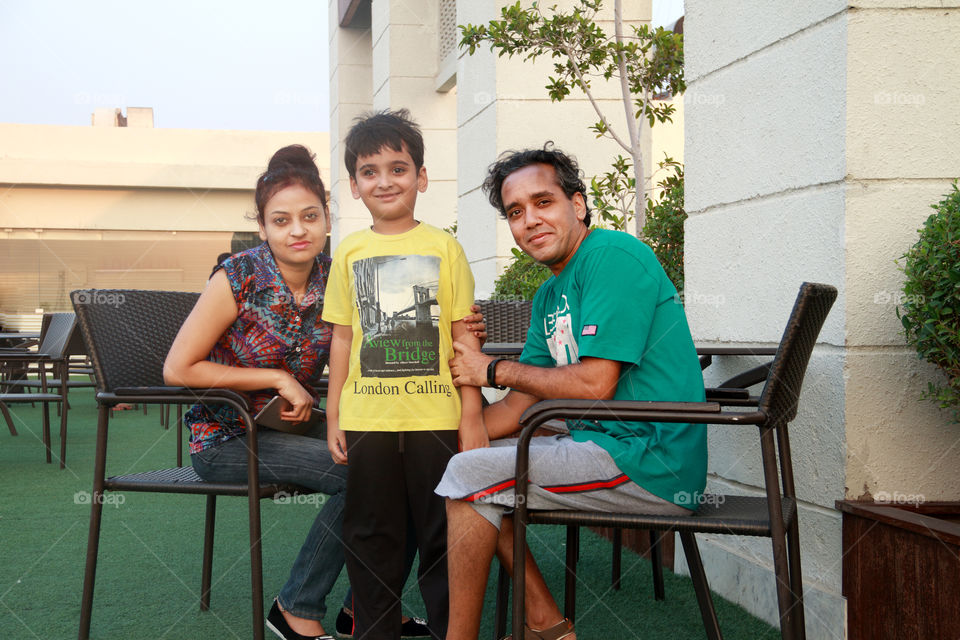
[564, 474]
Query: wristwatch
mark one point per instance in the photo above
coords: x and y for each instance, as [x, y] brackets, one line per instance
[492, 374]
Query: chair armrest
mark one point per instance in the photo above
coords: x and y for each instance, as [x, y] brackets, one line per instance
[503, 348]
[184, 394]
[630, 411]
[20, 356]
[627, 410]
[321, 386]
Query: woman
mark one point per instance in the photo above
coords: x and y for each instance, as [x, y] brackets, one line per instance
[257, 329]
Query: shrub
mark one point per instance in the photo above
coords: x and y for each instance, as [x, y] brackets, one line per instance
[664, 228]
[521, 279]
[930, 308]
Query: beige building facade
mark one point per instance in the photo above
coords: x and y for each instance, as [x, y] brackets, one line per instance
[125, 206]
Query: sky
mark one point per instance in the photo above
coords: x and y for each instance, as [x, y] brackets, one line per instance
[201, 64]
[206, 64]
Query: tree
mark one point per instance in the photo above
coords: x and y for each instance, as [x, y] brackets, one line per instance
[644, 64]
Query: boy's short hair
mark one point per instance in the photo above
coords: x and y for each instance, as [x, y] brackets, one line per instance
[569, 176]
[372, 130]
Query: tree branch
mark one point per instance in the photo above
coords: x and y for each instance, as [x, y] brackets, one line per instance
[640, 187]
[596, 107]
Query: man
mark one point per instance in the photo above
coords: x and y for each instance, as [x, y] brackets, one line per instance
[606, 326]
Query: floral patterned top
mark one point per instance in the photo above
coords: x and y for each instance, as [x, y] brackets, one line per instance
[271, 332]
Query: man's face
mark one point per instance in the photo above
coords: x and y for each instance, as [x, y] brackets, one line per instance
[545, 223]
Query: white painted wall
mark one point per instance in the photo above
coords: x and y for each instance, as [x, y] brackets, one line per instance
[817, 134]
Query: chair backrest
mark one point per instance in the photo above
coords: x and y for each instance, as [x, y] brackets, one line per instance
[129, 332]
[58, 334]
[781, 392]
[507, 320]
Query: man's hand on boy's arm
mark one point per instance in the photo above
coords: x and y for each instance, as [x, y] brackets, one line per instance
[339, 366]
[476, 324]
[472, 433]
[591, 378]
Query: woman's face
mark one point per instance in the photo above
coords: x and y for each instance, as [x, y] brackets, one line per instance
[295, 225]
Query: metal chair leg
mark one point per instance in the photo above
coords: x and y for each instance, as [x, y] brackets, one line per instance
[207, 567]
[500, 614]
[6, 416]
[570, 572]
[796, 579]
[700, 586]
[179, 428]
[656, 562]
[46, 430]
[96, 512]
[616, 549]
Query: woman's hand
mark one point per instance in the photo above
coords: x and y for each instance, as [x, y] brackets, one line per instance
[336, 443]
[299, 399]
[476, 325]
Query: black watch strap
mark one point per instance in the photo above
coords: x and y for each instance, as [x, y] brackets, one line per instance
[492, 374]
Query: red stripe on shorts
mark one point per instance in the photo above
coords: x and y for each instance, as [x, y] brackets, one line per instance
[506, 484]
[589, 486]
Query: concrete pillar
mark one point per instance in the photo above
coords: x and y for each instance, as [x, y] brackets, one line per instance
[817, 134]
[351, 93]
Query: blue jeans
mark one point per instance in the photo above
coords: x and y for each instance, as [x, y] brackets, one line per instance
[289, 458]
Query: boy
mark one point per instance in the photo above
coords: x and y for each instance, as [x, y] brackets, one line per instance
[396, 296]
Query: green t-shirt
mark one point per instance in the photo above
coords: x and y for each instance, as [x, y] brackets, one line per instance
[614, 301]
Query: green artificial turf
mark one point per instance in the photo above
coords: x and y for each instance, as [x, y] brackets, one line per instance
[148, 576]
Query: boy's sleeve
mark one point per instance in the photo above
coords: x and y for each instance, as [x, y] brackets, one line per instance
[337, 305]
[461, 280]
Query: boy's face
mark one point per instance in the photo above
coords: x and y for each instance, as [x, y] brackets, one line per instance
[388, 182]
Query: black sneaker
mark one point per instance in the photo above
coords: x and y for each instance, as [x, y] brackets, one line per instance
[412, 628]
[278, 624]
[344, 625]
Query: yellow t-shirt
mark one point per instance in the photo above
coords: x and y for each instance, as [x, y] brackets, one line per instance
[400, 293]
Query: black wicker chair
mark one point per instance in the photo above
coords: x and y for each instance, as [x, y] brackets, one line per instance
[57, 335]
[128, 334]
[774, 515]
[507, 324]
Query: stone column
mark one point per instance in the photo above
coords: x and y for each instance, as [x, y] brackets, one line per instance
[817, 134]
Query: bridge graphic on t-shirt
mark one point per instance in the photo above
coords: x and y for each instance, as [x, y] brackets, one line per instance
[399, 314]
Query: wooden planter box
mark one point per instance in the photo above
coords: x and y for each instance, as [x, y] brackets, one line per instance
[901, 569]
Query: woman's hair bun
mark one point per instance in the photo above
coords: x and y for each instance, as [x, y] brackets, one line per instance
[294, 155]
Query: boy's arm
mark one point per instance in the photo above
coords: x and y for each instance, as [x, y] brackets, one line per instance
[339, 367]
[473, 435]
